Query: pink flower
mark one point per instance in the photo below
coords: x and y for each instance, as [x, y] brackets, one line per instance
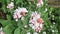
[36, 22]
[35, 15]
[11, 5]
[39, 3]
[19, 13]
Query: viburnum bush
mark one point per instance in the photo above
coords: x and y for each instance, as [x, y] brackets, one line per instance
[28, 17]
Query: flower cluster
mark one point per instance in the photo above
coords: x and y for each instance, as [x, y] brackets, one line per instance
[39, 3]
[36, 22]
[11, 5]
[19, 13]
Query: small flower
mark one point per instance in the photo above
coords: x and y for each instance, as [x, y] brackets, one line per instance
[28, 32]
[53, 22]
[39, 3]
[16, 19]
[46, 9]
[36, 22]
[25, 26]
[20, 13]
[11, 5]
[35, 33]
[52, 18]
[53, 31]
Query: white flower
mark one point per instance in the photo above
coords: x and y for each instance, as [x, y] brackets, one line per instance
[52, 18]
[53, 31]
[46, 9]
[39, 3]
[28, 32]
[19, 13]
[35, 33]
[25, 26]
[11, 5]
[16, 19]
[53, 22]
[44, 32]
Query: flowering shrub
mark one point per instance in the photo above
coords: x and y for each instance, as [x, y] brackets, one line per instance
[28, 17]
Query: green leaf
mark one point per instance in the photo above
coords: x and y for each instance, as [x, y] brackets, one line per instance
[17, 31]
[17, 1]
[5, 22]
[9, 29]
[8, 1]
[8, 17]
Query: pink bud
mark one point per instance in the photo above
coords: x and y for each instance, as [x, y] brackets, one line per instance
[39, 3]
